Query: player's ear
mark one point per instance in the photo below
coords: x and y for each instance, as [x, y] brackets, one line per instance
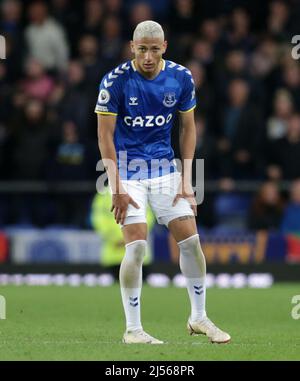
[132, 46]
[165, 45]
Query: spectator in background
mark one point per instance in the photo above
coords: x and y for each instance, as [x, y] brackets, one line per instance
[69, 101]
[211, 30]
[70, 160]
[180, 29]
[291, 81]
[45, 38]
[5, 94]
[238, 37]
[11, 27]
[88, 55]
[267, 208]
[202, 51]
[37, 83]
[111, 38]
[203, 90]
[278, 20]
[283, 108]
[264, 59]
[240, 134]
[291, 218]
[235, 67]
[67, 15]
[70, 163]
[264, 68]
[4, 117]
[284, 154]
[205, 149]
[94, 68]
[114, 8]
[11, 11]
[93, 18]
[182, 20]
[31, 142]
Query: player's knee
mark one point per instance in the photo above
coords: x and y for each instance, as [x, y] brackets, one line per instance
[137, 249]
[192, 247]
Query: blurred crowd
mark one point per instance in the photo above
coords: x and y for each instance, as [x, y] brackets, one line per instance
[239, 52]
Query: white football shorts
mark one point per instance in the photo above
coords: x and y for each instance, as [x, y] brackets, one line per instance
[159, 193]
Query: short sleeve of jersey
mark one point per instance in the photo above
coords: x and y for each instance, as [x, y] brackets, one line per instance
[187, 99]
[109, 97]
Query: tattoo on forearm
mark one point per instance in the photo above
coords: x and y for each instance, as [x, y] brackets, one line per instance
[185, 218]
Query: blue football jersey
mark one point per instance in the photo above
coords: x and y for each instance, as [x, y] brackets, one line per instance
[145, 110]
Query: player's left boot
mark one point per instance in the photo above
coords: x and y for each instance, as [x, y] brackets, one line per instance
[206, 327]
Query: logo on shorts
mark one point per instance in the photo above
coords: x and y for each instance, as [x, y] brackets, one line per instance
[169, 99]
[104, 96]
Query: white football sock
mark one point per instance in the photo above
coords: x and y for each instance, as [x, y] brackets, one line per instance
[131, 282]
[193, 267]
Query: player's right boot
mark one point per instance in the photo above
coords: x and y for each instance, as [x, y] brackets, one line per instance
[139, 337]
[206, 327]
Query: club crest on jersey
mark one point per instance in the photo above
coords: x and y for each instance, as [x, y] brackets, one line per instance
[104, 97]
[169, 99]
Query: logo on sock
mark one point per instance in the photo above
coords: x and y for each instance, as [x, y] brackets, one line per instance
[133, 301]
[198, 290]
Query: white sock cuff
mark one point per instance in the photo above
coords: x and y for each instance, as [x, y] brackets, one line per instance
[187, 239]
[134, 242]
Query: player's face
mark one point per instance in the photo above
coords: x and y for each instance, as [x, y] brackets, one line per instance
[148, 53]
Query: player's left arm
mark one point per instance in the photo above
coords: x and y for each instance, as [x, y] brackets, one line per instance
[187, 142]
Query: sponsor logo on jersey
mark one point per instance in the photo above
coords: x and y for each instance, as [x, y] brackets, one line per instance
[133, 101]
[148, 120]
[169, 99]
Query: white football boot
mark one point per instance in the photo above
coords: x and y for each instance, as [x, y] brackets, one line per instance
[139, 337]
[206, 327]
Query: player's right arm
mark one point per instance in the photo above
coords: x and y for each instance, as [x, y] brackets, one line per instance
[107, 108]
[120, 198]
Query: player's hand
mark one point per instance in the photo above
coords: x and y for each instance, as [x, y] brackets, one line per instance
[187, 193]
[120, 204]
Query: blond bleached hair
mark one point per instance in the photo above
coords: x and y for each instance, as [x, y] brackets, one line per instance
[148, 29]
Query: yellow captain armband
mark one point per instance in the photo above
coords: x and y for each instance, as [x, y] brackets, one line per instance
[190, 109]
[105, 113]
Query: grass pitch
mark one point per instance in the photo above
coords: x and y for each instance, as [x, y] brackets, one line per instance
[66, 323]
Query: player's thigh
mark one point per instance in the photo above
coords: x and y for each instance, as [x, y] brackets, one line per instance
[134, 232]
[162, 193]
[183, 227]
[138, 193]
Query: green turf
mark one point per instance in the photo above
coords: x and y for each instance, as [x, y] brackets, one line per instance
[65, 323]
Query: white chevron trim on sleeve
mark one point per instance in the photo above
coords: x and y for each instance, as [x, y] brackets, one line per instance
[118, 71]
[172, 64]
[114, 74]
[107, 84]
[111, 75]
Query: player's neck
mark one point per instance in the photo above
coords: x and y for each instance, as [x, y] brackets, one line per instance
[151, 75]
